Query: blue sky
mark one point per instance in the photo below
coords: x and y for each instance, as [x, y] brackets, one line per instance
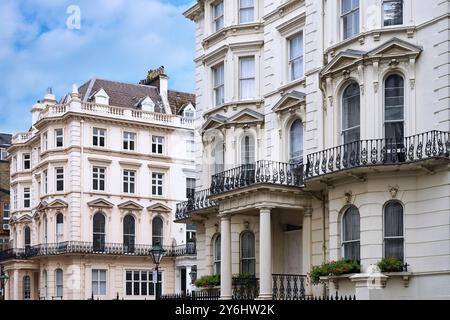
[117, 39]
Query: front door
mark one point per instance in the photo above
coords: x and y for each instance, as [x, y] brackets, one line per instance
[183, 280]
[293, 252]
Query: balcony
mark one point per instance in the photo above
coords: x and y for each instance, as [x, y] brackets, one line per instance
[379, 152]
[200, 201]
[80, 247]
[262, 172]
[52, 111]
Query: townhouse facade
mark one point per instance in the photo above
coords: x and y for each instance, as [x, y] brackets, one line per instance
[5, 143]
[93, 186]
[324, 133]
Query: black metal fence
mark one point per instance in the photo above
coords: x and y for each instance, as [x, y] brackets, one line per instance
[288, 286]
[432, 144]
[245, 288]
[213, 294]
[261, 172]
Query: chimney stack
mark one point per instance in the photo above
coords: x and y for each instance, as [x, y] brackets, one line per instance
[158, 78]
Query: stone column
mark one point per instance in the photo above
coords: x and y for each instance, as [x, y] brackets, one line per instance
[6, 293]
[265, 254]
[16, 285]
[306, 244]
[225, 263]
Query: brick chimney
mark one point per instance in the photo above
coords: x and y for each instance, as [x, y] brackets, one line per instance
[158, 78]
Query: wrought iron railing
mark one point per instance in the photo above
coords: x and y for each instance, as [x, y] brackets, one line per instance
[432, 144]
[198, 202]
[81, 247]
[212, 294]
[261, 172]
[245, 288]
[288, 286]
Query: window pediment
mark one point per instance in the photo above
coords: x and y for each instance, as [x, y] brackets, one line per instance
[58, 204]
[289, 100]
[214, 122]
[395, 48]
[343, 60]
[130, 205]
[100, 203]
[246, 115]
[41, 206]
[159, 207]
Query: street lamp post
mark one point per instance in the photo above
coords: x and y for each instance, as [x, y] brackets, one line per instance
[157, 252]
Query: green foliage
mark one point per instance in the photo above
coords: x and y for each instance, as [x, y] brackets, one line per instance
[334, 268]
[208, 281]
[390, 265]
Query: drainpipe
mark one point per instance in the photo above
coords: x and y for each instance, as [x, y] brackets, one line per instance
[81, 173]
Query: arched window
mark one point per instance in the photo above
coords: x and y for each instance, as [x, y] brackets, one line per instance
[218, 157]
[351, 120]
[394, 116]
[27, 232]
[248, 260]
[59, 283]
[296, 142]
[351, 234]
[129, 233]
[217, 254]
[99, 232]
[45, 229]
[157, 231]
[26, 288]
[393, 230]
[59, 228]
[45, 284]
[247, 150]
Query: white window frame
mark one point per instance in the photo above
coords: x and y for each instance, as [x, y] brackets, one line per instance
[343, 15]
[26, 160]
[383, 15]
[149, 280]
[253, 8]
[100, 134]
[99, 176]
[3, 154]
[300, 57]
[218, 22]
[242, 79]
[218, 87]
[27, 197]
[158, 179]
[190, 145]
[6, 209]
[45, 141]
[59, 134]
[157, 143]
[129, 137]
[45, 179]
[129, 178]
[97, 283]
[59, 285]
[59, 177]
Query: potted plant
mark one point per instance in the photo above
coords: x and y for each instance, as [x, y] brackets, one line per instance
[390, 264]
[208, 282]
[334, 268]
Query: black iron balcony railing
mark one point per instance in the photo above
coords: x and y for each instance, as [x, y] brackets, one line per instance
[433, 144]
[198, 202]
[245, 288]
[288, 286]
[81, 247]
[262, 172]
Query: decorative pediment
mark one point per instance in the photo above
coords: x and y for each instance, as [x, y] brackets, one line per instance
[245, 116]
[130, 205]
[214, 122]
[289, 100]
[159, 207]
[343, 60]
[100, 203]
[24, 218]
[42, 206]
[395, 48]
[57, 204]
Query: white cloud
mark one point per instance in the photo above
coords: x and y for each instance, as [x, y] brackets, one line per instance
[118, 39]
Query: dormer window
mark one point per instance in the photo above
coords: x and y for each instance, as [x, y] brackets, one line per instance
[148, 105]
[101, 97]
[189, 112]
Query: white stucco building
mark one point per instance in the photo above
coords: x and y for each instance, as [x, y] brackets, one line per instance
[324, 128]
[94, 185]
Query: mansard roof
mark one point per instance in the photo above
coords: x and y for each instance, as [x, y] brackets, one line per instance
[179, 100]
[5, 140]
